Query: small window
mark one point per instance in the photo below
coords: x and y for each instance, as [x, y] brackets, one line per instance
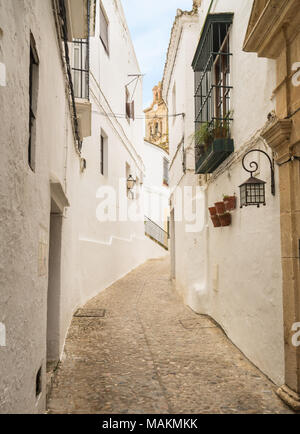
[80, 68]
[33, 97]
[129, 105]
[104, 29]
[166, 172]
[213, 115]
[102, 156]
[38, 383]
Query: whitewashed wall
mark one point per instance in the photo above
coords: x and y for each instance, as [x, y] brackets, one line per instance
[156, 194]
[109, 250]
[236, 275]
[92, 254]
[25, 199]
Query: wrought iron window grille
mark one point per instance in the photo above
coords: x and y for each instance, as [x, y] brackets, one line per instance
[81, 68]
[213, 114]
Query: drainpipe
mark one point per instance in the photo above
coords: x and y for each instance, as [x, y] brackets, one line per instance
[211, 3]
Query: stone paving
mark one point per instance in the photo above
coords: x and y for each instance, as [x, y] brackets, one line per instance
[150, 354]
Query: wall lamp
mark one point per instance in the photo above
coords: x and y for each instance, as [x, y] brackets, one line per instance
[252, 191]
[130, 184]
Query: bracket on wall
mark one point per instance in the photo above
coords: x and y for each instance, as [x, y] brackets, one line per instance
[255, 165]
[59, 200]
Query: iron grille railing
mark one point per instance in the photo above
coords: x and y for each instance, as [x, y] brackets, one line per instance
[80, 68]
[211, 65]
[81, 63]
[155, 232]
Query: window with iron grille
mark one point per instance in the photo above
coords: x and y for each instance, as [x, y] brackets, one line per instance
[102, 155]
[104, 26]
[213, 113]
[80, 68]
[33, 96]
[166, 172]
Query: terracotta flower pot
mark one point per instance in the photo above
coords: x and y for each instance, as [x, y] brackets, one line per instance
[230, 203]
[216, 221]
[220, 206]
[213, 211]
[225, 219]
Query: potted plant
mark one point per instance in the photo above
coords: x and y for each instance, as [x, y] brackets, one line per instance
[204, 137]
[212, 211]
[220, 129]
[230, 202]
[220, 206]
[216, 221]
[225, 219]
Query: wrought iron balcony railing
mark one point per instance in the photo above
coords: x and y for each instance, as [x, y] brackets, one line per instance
[156, 233]
[80, 68]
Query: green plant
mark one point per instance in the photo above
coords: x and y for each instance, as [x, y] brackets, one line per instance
[209, 131]
[204, 136]
[226, 196]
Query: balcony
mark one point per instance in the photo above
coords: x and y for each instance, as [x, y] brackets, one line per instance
[214, 155]
[80, 78]
[77, 19]
[213, 112]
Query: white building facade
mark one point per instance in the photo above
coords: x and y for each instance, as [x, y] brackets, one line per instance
[64, 152]
[40, 171]
[156, 184]
[232, 273]
[112, 238]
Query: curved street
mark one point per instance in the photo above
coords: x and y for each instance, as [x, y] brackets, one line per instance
[150, 354]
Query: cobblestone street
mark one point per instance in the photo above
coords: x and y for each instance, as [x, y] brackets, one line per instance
[151, 354]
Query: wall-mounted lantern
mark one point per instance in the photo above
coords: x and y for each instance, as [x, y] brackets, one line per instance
[252, 191]
[130, 184]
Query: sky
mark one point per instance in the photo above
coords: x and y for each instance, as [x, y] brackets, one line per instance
[150, 24]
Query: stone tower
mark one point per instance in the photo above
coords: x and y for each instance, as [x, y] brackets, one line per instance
[157, 120]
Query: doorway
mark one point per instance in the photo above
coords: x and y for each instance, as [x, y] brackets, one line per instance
[172, 244]
[54, 285]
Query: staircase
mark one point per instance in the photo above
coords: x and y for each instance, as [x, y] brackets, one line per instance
[156, 233]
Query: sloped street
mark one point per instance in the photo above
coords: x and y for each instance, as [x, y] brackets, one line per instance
[151, 354]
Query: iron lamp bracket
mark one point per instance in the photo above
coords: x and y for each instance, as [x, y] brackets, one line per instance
[254, 165]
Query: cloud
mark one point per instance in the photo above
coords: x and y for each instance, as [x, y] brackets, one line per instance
[150, 26]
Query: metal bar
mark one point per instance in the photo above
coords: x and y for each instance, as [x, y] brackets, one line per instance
[151, 221]
[80, 70]
[63, 15]
[255, 165]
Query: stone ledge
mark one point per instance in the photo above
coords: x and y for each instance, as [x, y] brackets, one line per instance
[277, 135]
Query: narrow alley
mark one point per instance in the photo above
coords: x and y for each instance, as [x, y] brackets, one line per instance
[150, 354]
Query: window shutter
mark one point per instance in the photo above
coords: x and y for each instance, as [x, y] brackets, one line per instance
[128, 110]
[132, 111]
[103, 29]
